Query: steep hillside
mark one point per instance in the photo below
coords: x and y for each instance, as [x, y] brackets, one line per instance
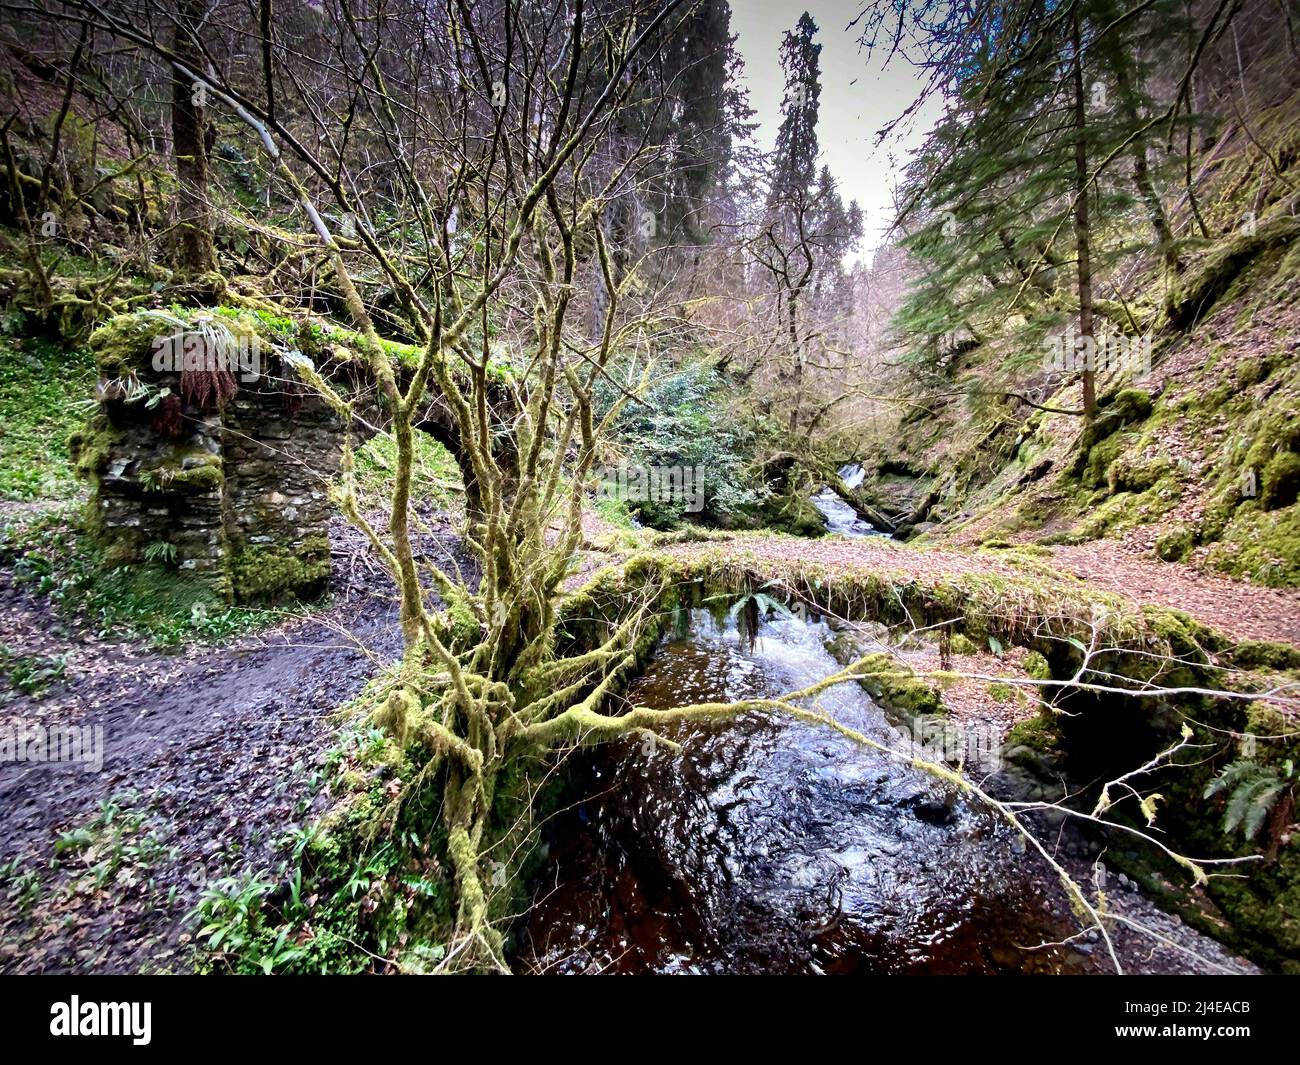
[1197, 460]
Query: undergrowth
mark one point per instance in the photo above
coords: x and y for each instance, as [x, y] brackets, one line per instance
[147, 602]
[45, 392]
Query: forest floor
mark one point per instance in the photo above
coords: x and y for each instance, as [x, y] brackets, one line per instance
[214, 757]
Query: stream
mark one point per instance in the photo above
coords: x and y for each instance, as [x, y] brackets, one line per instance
[841, 518]
[768, 845]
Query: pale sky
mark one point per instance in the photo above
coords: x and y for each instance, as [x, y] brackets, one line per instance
[857, 98]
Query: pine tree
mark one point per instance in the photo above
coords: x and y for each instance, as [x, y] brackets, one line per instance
[1029, 190]
[806, 229]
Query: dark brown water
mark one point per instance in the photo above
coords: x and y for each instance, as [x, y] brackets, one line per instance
[772, 846]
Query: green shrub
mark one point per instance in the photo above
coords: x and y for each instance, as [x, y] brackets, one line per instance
[682, 421]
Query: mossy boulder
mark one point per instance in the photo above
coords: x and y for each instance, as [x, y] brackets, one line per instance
[1280, 482]
[123, 345]
[1261, 545]
[268, 573]
[1175, 544]
[1129, 405]
[896, 686]
[1039, 733]
[1126, 407]
[1037, 667]
[1130, 473]
[1035, 745]
[1264, 654]
[794, 513]
[963, 645]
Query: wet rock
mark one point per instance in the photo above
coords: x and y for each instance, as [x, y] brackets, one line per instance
[936, 811]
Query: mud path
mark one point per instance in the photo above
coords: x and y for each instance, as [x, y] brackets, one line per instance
[212, 759]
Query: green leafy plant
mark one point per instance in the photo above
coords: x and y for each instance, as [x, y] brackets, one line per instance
[683, 421]
[233, 924]
[115, 844]
[148, 600]
[28, 674]
[21, 888]
[1253, 791]
[160, 551]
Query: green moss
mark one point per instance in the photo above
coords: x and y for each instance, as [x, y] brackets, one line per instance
[1280, 482]
[398, 714]
[91, 445]
[896, 686]
[794, 513]
[1100, 457]
[457, 624]
[1126, 510]
[1175, 544]
[186, 470]
[1129, 405]
[43, 393]
[123, 345]
[962, 645]
[1262, 654]
[1273, 432]
[1262, 546]
[1037, 667]
[1137, 473]
[1039, 734]
[205, 478]
[269, 573]
[1213, 276]
[1182, 634]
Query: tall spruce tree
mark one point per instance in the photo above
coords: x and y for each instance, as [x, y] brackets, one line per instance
[1031, 187]
[806, 229]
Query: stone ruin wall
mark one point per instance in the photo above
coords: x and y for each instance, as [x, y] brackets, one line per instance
[237, 495]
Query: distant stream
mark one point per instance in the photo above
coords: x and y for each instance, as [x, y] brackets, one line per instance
[841, 518]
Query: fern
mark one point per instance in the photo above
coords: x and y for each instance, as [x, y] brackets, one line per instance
[1253, 790]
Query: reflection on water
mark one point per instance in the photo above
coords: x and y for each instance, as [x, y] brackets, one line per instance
[773, 846]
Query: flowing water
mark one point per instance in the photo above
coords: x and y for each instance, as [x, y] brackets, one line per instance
[852, 475]
[841, 518]
[772, 846]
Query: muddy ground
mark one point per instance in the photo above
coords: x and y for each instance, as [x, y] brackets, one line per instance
[212, 760]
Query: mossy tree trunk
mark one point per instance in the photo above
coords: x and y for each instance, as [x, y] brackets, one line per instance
[196, 249]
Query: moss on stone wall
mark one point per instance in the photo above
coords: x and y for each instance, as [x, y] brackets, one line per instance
[91, 445]
[269, 573]
[185, 470]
